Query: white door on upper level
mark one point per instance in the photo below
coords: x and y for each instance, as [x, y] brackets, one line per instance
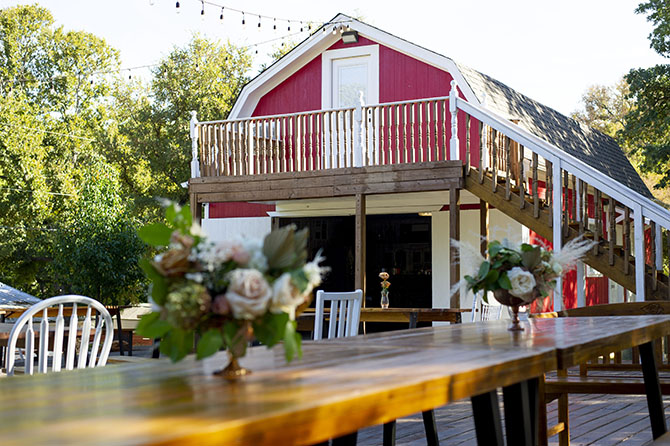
[350, 75]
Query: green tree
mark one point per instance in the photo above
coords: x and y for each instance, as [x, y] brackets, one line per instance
[605, 107]
[149, 138]
[647, 128]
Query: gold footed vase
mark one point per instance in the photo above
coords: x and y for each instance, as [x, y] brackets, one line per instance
[233, 371]
[504, 297]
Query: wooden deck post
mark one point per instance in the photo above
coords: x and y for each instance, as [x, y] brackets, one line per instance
[196, 209]
[195, 164]
[454, 255]
[360, 245]
[483, 226]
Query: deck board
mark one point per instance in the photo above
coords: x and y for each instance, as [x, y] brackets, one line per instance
[602, 420]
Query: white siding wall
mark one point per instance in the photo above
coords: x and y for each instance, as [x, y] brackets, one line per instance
[220, 229]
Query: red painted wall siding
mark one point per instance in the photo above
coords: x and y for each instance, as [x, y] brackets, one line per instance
[239, 209]
[300, 92]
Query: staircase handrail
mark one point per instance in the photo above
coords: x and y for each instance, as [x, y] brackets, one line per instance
[580, 169]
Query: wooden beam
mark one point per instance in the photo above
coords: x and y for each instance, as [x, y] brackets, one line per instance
[196, 209]
[483, 226]
[274, 223]
[454, 235]
[359, 281]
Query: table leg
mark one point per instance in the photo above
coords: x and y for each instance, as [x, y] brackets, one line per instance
[346, 440]
[653, 389]
[431, 428]
[389, 433]
[521, 413]
[486, 412]
[413, 318]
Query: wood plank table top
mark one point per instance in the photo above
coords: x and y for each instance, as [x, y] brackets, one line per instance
[339, 386]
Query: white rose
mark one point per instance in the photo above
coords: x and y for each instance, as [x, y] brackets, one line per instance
[285, 296]
[523, 283]
[248, 294]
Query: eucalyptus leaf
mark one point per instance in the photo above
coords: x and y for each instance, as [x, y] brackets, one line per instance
[504, 281]
[155, 234]
[152, 326]
[530, 258]
[494, 248]
[209, 343]
[484, 269]
[492, 277]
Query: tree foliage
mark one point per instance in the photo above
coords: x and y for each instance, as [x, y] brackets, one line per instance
[85, 152]
[658, 12]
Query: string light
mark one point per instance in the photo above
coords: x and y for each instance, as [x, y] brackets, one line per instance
[334, 30]
[221, 16]
[202, 11]
[289, 26]
[259, 21]
[243, 22]
[177, 7]
[274, 24]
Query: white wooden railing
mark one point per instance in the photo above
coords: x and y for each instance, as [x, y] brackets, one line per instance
[428, 130]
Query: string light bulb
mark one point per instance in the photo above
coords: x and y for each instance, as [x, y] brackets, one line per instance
[202, 11]
[259, 21]
[334, 30]
[289, 26]
[341, 29]
[274, 24]
[300, 26]
[221, 16]
[177, 7]
[243, 21]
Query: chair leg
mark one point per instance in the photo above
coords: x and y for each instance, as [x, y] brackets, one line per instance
[431, 428]
[564, 417]
[389, 433]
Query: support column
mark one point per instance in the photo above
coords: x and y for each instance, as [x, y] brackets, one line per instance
[454, 253]
[639, 254]
[557, 223]
[483, 226]
[196, 209]
[274, 223]
[359, 280]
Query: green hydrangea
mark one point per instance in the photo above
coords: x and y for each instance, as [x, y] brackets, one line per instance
[185, 304]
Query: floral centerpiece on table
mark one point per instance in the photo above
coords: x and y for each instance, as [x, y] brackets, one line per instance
[385, 288]
[226, 293]
[517, 275]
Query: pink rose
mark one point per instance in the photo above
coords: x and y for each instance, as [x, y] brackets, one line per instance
[248, 293]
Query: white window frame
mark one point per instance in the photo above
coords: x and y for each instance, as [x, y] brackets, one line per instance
[327, 58]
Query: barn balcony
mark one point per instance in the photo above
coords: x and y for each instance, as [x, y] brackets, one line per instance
[437, 144]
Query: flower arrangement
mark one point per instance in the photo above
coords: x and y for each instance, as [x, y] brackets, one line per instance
[526, 272]
[226, 293]
[384, 283]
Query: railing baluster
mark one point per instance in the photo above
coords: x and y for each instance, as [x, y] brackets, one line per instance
[482, 144]
[383, 155]
[652, 249]
[405, 132]
[536, 194]
[598, 217]
[352, 146]
[310, 118]
[467, 145]
[445, 148]
[411, 127]
[626, 240]
[420, 128]
[397, 134]
[319, 136]
[435, 151]
[549, 194]
[508, 158]
[494, 163]
[611, 232]
[522, 178]
[366, 149]
[566, 203]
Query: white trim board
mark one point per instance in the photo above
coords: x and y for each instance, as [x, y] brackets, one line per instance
[319, 42]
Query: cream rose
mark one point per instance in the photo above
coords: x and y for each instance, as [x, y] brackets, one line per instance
[248, 293]
[523, 283]
[285, 297]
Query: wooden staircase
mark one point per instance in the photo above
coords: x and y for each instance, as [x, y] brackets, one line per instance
[611, 259]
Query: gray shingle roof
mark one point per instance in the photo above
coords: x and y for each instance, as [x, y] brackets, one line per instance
[13, 298]
[589, 145]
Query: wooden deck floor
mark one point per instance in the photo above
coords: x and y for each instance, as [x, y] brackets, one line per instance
[603, 420]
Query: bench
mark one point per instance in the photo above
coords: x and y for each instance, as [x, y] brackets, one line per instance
[609, 374]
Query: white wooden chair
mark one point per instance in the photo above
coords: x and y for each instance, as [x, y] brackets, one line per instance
[345, 313]
[487, 312]
[86, 357]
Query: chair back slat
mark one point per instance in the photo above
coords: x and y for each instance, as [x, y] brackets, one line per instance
[58, 340]
[30, 347]
[345, 313]
[71, 340]
[95, 356]
[43, 351]
[85, 337]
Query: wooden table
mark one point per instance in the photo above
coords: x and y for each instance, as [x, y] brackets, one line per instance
[340, 385]
[409, 316]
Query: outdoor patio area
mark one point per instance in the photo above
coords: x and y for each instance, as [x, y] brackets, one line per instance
[603, 420]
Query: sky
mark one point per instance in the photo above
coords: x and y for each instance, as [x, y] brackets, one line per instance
[549, 50]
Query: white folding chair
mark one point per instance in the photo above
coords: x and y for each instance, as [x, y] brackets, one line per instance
[345, 313]
[487, 312]
[86, 357]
